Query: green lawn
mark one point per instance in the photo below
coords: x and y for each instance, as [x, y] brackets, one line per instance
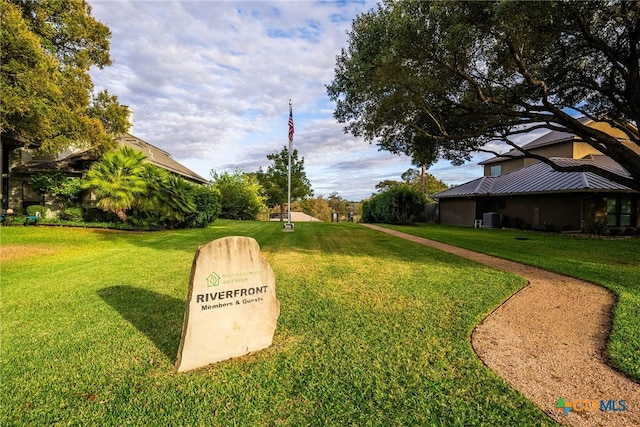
[374, 330]
[610, 262]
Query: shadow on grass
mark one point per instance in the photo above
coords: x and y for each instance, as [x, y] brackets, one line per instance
[157, 316]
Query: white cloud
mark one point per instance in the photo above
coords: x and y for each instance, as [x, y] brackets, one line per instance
[210, 81]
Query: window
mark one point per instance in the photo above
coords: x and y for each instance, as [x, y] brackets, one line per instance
[619, 211]
[612, 212]
[495, 170]
[625, 211]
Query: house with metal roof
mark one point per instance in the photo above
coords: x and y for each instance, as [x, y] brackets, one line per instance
[19, 163]
[516, 191]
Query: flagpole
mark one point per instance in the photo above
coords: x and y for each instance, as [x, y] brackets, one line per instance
[290, 148]
[289, 226]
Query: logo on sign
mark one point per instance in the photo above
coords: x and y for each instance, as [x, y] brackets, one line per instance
[213, 280]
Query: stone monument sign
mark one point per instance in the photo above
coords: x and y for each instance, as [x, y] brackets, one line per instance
[232, 307]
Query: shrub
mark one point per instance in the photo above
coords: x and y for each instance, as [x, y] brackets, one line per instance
[367, 214]
[67, 190]
[167, 202]
[398, 205]
[239, 195]
[43, 182]
[117, 180]
[72, 214]
[34, 209]
[600, 227]
[98, 215]
[147, 222]
[517, 222]
[208, 207]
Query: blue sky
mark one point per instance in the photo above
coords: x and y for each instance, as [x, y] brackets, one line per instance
[210, 82]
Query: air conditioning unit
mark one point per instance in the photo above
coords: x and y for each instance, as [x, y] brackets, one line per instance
[491, 220]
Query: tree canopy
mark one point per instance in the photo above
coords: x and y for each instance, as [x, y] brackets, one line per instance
[46, 51]
[239, 195]
[441, 79]
[424, 183]
[317, 207]
[274, 180]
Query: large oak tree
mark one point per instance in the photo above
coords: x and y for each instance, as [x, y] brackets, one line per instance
[441, 79]
[46, 51]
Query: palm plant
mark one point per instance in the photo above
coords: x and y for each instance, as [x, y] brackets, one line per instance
[179, 198]
[168, 199]
[153, 204]
[117, 180]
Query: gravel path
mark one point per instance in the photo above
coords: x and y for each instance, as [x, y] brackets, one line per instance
[548, 342]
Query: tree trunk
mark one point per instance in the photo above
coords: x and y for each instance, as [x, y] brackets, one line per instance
[122, 215]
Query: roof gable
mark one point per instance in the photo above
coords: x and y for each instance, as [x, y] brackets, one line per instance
[159, 157]
[75, 162]
[542, 178]
[550, 138]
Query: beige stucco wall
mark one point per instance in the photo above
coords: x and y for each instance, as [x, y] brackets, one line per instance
[615, 133]
[582, 149]
[507, 166]
[457, 212]
[564, 149]
[569, 149]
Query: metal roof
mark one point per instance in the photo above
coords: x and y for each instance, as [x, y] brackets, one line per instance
[480, 186]
[73, 162]
[159, 157]
[542, 178]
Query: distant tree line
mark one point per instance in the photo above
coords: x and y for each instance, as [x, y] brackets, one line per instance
[126, 189]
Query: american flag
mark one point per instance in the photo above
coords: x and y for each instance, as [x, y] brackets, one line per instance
[290, 124]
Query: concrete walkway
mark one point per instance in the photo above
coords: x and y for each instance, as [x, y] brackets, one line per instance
[548, 342]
